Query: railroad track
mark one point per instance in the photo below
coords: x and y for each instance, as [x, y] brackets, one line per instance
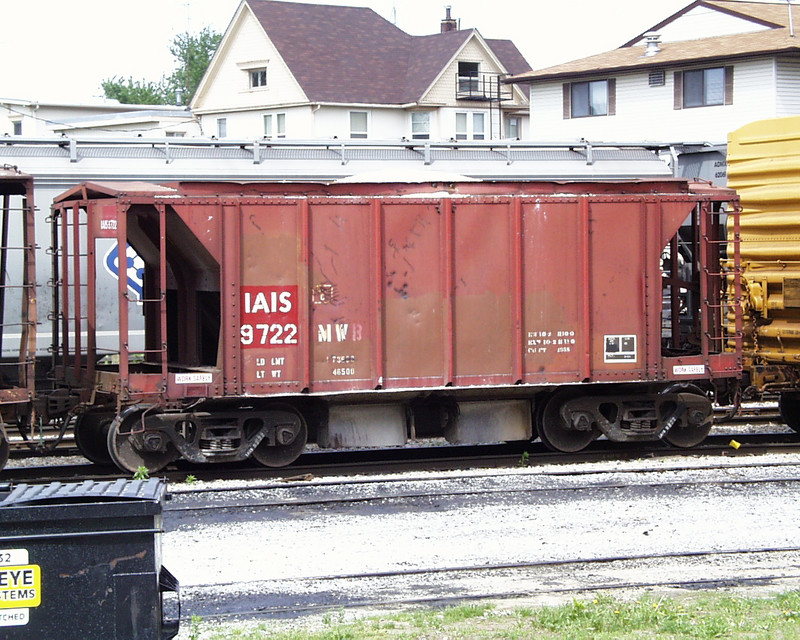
[186, 499]
[632, 504]
[535, 580]
[432, 458]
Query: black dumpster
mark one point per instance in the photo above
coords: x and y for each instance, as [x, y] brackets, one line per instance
[83, 561]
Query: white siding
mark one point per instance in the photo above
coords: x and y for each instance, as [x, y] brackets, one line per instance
[384, 124]
[702, 22]
[228, 85]
[249, 125]
[645, 113]
[787, 87]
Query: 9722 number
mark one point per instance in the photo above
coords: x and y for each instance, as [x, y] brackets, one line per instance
[268, 334]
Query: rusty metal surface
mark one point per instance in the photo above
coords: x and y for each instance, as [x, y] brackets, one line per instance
[357, 287]
[18, 292]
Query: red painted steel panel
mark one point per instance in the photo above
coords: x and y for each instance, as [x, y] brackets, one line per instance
[552, 259]
[203, 220]
[342, 345]
[414, 299]
[268, 332]
[617, 288]
[355, 287]
[483, 237]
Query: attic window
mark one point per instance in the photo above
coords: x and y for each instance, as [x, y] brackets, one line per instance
[657, 78]
[468, 73]
[258, 77]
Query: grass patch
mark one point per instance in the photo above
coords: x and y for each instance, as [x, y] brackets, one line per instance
[602, 618]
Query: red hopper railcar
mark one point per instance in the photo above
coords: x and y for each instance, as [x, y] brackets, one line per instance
[349, 315]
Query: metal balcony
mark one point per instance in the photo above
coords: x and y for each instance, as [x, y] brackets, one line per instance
[482, 87]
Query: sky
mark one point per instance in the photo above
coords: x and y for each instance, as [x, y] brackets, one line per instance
[58, 50]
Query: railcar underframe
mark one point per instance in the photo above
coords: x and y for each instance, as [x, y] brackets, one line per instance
[368, 315]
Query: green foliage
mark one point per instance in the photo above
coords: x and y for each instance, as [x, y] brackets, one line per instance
[603, 618]
[132, 91]
[141, 473]
[191, 479]
[192, 53]
[194, 629]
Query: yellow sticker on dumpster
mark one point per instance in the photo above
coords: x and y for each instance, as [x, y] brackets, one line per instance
[20, 586]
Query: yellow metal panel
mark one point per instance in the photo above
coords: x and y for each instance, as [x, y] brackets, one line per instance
[764, 168]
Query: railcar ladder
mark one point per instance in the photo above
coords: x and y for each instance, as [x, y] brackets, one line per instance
[720, 282]
[18, 283]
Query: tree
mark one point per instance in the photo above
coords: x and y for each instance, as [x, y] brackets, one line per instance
[135, 91]
[192, 53]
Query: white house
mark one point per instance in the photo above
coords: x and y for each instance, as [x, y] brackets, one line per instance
[98, 118]
[286, 69]
[697, 75]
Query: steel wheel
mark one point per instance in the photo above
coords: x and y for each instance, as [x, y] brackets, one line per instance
[131, 448]
[789, 405]
[91, 436]
[288, 423]
[554, 431]
[4, 449]
[695, 424]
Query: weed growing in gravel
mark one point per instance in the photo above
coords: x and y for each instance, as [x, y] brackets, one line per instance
[141, 473]
[601, 618]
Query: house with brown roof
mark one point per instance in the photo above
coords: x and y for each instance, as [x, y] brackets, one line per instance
[695, 76]
[311, 71]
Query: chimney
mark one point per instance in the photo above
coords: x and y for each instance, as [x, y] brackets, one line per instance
[653, 42]
[448, 24]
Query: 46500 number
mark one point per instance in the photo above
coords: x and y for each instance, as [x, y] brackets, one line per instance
[268, 334]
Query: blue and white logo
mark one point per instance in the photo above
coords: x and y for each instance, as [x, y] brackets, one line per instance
[135, 268]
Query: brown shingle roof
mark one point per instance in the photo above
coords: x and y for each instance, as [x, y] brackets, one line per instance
[353, 55]
[627, 58]
[776, 14]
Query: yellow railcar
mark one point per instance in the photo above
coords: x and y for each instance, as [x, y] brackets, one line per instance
[764, 168]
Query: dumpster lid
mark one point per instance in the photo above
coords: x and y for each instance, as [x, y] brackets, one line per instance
[152, 489]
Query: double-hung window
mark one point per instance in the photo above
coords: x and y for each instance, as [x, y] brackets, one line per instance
[420, 125]
[275, 125]
[470, 125]
[359, 124]
[512, 127]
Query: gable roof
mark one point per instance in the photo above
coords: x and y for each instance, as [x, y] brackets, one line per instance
[772, 41]
[759, 13]
[353, 55]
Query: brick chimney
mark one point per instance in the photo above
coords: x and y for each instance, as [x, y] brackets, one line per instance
[448, 24]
